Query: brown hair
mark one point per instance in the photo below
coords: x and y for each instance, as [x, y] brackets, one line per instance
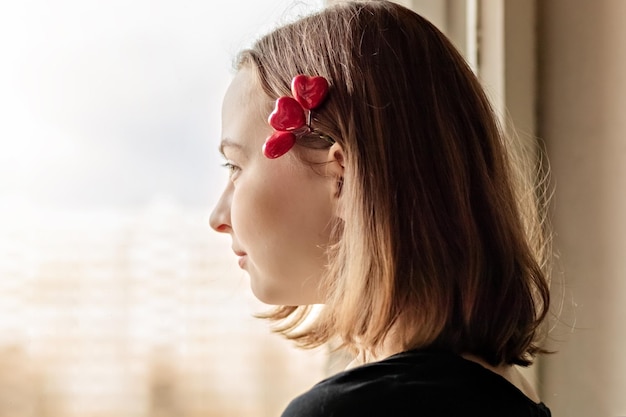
[440, 246]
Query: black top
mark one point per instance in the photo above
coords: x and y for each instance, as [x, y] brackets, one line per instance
[416, 384]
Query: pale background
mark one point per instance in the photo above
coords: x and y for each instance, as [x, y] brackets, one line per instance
[116, 299]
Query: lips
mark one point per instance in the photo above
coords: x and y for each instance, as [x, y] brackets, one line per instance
[242, 257]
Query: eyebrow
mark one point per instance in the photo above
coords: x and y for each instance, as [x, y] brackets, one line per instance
[228, 143]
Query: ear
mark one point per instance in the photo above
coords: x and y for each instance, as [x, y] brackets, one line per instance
[336, 162]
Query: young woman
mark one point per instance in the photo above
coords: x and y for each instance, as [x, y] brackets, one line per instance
[368, 175]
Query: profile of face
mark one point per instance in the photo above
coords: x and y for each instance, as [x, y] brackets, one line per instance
[278, 212]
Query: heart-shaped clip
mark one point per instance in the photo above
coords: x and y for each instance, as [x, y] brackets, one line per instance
[291, 116]
[309, 91]
[287, 115]
[278, 144]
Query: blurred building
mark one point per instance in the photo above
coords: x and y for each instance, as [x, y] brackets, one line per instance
[138, 313]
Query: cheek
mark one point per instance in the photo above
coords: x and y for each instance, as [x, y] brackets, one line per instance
[258, 205]
[278, 205]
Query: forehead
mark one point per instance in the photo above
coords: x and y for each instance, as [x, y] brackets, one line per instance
[245, 109]
[245, 95]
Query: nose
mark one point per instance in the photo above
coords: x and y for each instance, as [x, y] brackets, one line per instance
[220, 216]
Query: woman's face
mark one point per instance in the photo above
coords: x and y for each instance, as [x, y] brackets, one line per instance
[278, 212]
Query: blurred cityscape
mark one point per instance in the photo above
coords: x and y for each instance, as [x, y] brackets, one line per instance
[138, 309]
[140, 313]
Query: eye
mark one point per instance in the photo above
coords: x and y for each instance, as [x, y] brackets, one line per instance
[232, 168]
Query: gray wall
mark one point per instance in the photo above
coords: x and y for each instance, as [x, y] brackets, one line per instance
[582, 118]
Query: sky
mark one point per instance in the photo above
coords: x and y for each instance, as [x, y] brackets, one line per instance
[114, 103]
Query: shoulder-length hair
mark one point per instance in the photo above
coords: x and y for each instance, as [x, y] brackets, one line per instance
[441, 243]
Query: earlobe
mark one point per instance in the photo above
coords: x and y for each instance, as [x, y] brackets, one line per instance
[339, 186]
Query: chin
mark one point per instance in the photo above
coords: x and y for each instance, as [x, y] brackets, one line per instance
[265, 294]
[275, 289]
[277, 297]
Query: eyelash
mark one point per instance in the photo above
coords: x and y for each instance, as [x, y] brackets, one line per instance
[231, 167]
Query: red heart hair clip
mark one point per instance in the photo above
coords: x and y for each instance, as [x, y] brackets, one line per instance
[291, 116]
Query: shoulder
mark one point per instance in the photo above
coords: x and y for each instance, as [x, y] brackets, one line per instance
[411, 384]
